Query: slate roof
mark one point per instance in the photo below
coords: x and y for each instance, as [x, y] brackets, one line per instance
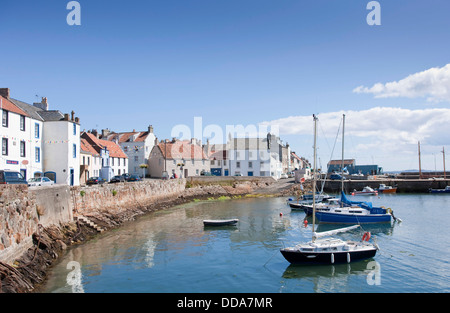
[38, 113]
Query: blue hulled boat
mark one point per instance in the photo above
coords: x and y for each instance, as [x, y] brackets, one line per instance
[354, 212]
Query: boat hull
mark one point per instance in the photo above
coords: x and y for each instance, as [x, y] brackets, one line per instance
[393, 190]
[220, 222]
[310, 258]
[336, 218]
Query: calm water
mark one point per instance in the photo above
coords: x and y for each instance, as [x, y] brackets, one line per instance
[171, 251]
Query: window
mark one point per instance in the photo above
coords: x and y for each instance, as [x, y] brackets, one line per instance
[4, 146]
[22, 123]
[136, 158]
[22, 148]
[74, 128]
[250, 164]
[36, 130]
[112, 161]
[74, 151]
[84, 160]
[5, 118]
[238, 164]
[37, 154]
[125, 148]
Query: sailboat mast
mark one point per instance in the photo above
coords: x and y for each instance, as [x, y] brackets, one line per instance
[342, 169]
[420, 163]
[314, 176]
[443, 157]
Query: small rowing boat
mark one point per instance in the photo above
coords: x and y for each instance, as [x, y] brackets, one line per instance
[220, 222]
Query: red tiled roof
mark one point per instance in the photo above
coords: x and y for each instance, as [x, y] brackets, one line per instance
[124, 137]
[86, 146]
[182, 150]
[97, 144]
[11, 107]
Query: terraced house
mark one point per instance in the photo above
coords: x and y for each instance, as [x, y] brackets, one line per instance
[38, 142]
[108, 159]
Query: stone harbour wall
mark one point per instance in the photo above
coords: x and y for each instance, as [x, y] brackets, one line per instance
[18, 220]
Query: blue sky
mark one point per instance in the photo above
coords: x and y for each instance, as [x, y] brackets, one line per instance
[135, 63]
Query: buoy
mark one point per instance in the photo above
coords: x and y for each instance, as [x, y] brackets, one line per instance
[281, 213]
[348, 257]
[366, 236]
[332, 258]
[305, 223]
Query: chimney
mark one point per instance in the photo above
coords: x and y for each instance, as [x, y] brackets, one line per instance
[150, 129]
[43, 105]
[105, 132]
[73, 115]
[4, 92]
[66, 115]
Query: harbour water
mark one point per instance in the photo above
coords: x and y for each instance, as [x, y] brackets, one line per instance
[170, 251]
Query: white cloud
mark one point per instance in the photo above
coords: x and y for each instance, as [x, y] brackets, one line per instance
[433, 84]
[380, 132]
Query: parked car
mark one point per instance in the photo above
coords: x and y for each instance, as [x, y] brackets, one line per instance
[126, 176]
[238, 174]
[205, 173]
[40, 181]
[284, 175]
[117, 179]
[10, 177]
[95, 180]
[134, 178]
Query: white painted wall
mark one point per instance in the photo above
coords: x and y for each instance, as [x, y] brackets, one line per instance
[58, 143]
[15, 136]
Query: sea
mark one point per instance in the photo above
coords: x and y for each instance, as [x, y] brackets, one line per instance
[171, 251]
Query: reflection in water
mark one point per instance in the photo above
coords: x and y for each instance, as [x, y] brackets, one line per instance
[172, 251]
[327, 278]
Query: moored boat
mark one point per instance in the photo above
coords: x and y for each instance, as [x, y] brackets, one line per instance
[220, 222]
[386, 189]
[329, 250]
[367, 191]
[445, 190]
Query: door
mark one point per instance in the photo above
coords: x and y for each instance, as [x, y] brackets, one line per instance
[72, 174]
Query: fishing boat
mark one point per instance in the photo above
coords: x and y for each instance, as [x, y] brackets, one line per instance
[328, 250]
[367, 191]
[225, 222]
[445, 190]
[386, 189]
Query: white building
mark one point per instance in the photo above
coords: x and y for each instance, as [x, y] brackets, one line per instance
[47, 141]
[107, 160]
[137, 145]
[21, 136]
[256, 156]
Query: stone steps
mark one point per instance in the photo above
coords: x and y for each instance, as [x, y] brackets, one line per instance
[88, 222]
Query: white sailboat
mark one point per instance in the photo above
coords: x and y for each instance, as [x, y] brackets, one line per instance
[328, 250]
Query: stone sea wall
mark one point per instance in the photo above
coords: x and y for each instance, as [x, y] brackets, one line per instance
[37, 225]
[18, 220]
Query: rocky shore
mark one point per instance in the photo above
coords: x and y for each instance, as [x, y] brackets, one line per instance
[27, 273]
